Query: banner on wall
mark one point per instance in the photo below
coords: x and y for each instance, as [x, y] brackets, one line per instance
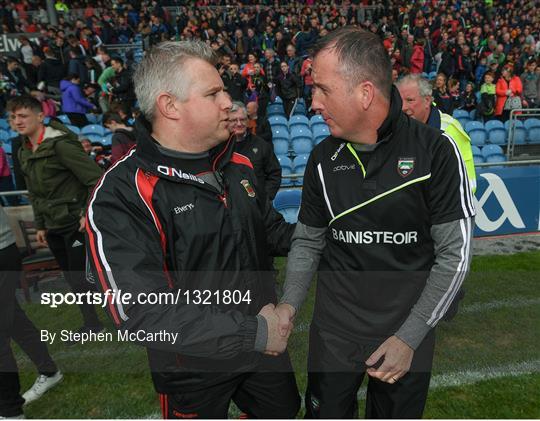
[9, 43]
[507, 200]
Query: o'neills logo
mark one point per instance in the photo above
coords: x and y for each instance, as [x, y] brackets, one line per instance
[174, 172]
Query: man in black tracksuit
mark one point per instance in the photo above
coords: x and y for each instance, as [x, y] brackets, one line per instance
[260, 153]
[182, 213]
[386, 218]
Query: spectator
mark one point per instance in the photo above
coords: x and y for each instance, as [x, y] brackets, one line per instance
[6, 181]
[258, 123]
[15, 78]
[96, 154]
[288, 88]
[305, 73]
[122, 139]
[51, 72]
[469, 97]
[530, 80]
[509, 90]
[260, 153]
[234, 83]
[441, 97]
[488, 97]
[53, 153]
[294, 62]
[74, 104]
[417, 57]
[47, 104]
[122, 90]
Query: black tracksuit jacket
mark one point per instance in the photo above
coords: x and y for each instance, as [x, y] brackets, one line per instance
[153, 227]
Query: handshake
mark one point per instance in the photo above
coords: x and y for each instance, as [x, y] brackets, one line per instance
[279, 321]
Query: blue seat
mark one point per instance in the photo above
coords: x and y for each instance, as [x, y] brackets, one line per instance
[299, 164]
[94, 118]
[92, 129]
[460, 114]
[301, 145]
[4, 124]
[496, 132]
[278, 100]
[278, 122]
[107, 139]
[281, 146]
[476, 132]
[298, 120]
[533, 135]
[287, 202]
[286, 169]
[432, 75]
[520, 133]
[7, 148]
[64, 119]
[316, 120]
[280, 133]
[491, 151]
[73, 128]
[478, 159]
[275, 109]
[472, 115]
[4, 135]
[298, 132]
[528, 124]
[299, 109]
[463, 120]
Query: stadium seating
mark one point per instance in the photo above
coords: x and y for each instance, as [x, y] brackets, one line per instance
[300, 109]
[107, 139]
[64, 119]
[532, 125]
[520, 133]
[493, 153]
[94, 118]
[73, 128]
[93, 129]
[298, 121]
[298, 132]
[286, 169]
[462, 116]
[316, 120]
[287, 202]
[4, 125]
[496, 132]
[320, 132]
[4, 135]
[476, 132]
[281, 146]
[278, 122]
[299, 167]
[301, 145]
[472, 115]
[275, 109]
[280, 132]
[7, 147]
[477, 155]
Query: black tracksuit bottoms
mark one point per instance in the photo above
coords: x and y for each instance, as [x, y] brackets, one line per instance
[336, 370]
[15, 325]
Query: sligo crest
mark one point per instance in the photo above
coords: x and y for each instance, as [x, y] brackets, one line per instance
[405, 166]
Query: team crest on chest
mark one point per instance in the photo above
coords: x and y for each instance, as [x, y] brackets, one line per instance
[255, 150]
[405, 166]
[248, 187]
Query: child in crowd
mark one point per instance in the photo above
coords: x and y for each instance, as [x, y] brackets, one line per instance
[486, 106]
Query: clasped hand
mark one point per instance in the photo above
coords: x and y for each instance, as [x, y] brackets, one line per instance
[279, 321]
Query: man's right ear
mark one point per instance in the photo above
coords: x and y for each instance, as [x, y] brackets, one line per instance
[167, 106]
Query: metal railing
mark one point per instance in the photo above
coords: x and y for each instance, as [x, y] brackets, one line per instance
[512, 149]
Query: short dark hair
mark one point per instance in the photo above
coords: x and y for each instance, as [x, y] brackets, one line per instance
[24, 101]
[118, 59]
[111, 116]
[362, 57]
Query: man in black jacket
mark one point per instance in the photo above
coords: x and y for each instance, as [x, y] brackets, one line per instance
[122, 90]
[386, 219]
[260, 153]
[181, 215]
[235, 84]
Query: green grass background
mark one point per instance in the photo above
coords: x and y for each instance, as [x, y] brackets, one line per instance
[111, 380]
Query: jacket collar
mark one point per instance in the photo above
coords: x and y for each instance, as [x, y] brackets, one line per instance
[434, 119]
[151, 159]
[390, 123]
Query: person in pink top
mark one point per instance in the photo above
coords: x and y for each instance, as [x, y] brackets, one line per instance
[6, 182]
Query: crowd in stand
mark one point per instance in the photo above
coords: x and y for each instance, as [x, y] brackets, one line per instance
[478, 54]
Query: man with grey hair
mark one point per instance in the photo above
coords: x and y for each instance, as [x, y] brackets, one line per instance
[415, 93]
[181, 214]
[258, 151]
[387, 225]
